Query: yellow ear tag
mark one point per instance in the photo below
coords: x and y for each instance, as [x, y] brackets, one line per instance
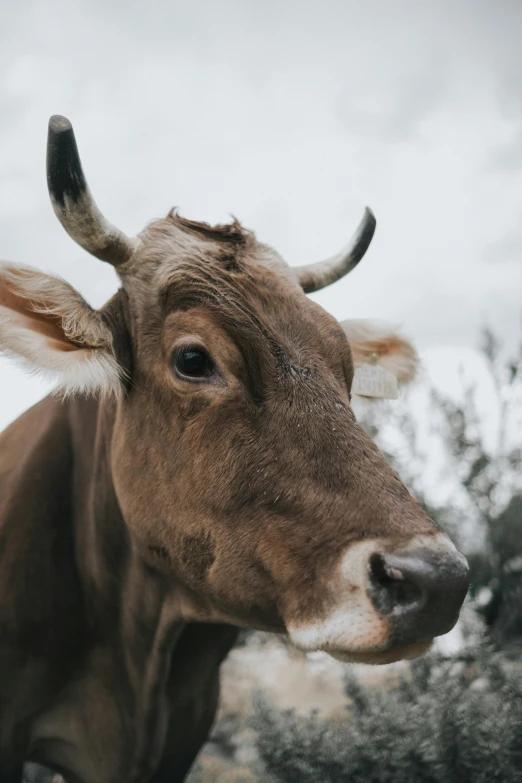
[372, 380]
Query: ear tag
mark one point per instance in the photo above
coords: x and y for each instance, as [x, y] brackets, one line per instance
[373, 380]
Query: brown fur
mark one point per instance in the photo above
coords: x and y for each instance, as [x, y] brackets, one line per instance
[135, 531]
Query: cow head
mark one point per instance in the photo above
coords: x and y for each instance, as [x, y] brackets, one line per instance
[236, 458]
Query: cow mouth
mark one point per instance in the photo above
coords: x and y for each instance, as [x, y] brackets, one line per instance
[379, 658]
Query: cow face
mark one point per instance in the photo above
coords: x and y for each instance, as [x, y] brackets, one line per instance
[237, 461]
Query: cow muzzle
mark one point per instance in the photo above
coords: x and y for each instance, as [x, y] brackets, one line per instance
[388, 603]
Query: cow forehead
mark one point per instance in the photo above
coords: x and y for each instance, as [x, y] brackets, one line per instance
[170, 242]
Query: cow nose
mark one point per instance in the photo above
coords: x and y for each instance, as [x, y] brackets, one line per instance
[421, 593]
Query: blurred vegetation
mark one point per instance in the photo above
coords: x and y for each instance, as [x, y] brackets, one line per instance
[446, 722]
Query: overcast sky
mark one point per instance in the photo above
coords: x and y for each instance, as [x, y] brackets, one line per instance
[292, 116]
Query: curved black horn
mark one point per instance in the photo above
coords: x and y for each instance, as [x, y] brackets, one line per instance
[72, 201]
[315, 276]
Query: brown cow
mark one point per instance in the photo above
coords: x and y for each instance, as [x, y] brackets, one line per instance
[217, 479]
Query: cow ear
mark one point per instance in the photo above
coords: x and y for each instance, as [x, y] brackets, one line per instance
[372, 339]
[48, 326]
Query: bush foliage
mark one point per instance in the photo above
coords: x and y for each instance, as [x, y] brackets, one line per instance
[447, 722]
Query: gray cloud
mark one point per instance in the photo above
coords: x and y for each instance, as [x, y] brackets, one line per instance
[506, 249]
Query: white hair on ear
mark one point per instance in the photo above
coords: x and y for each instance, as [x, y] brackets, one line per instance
[393, 351]
[50, 329]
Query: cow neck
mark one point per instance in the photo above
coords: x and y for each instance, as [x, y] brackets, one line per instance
[130, 607]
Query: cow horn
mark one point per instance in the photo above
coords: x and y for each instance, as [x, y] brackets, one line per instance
[73, 203]
[316, 276]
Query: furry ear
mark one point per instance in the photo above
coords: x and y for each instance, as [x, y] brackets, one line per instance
[394, 353]
[48, 326]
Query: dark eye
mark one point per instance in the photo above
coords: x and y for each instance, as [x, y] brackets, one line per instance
[193, 363]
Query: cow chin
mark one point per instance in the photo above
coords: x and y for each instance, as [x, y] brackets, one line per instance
[380, 658]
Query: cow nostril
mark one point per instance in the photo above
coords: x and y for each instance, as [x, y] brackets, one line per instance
[392, 589]
[420, 592]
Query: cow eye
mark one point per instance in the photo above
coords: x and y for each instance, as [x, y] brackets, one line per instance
[193, 363]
